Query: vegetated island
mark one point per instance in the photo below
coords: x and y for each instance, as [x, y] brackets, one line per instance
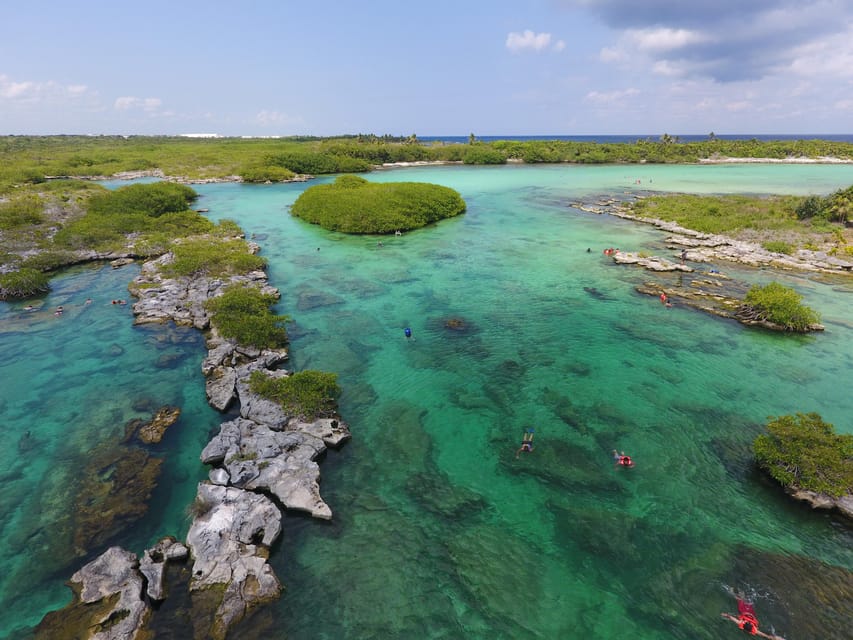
[811, 462]
[809, 233]
[351, 204]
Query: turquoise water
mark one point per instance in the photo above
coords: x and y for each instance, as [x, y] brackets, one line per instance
[439, 532]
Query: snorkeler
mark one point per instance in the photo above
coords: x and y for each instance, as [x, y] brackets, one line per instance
[622, 460]
[526, 443]
[746, 619]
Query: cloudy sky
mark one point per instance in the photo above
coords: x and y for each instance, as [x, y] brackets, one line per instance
[489, 67]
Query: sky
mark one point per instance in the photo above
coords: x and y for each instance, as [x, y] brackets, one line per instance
[435, 67]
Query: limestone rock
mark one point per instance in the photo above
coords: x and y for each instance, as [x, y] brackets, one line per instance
[220, 387]
[229, 540]
[114, 573]
[282, 462]
[153, 564]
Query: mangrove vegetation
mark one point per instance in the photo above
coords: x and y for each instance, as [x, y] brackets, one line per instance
[803, 452]
[351, 204]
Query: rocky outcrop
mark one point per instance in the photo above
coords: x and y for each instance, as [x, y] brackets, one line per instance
[280, 462]
[652, 263]
[718, 301]
[843, 504]
[264, 451]
[107, 605]
[153, 564]
[229, 540]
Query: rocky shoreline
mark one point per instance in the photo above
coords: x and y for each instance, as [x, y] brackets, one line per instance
[263, 463]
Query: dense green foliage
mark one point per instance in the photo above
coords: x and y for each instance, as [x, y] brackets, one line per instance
[778, 246]
[778, 219]
[804, 452]
[153, 199]
[21, 211]
[212, 256]
[242, 313]
[265, 173]
[26, 160]
[483, 154]
[23, 283]
[780, 305]
[308, 394]
[837, 207]
[353, 205]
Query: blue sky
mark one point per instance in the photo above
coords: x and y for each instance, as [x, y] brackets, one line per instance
[439, 67]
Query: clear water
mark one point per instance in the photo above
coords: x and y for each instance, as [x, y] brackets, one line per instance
[439, 532]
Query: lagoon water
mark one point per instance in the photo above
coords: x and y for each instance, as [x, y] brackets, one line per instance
[439, 532]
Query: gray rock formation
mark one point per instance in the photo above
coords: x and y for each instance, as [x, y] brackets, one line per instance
[114, 573]
[229, 540]
[153, 564]
[281, 462]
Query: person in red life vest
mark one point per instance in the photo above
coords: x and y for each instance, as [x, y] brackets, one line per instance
[746, 620]
[622, 460]
[663, 298]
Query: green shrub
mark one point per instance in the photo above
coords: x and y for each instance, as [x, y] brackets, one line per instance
[778, 246]
[780, 305]
[22, 211]
[242, 313]
[266, 173]
[308, 394]
[307, 162]
[23, 283]
[213, 257]
[48, 260]
[481, 154]
[152, 199]
[803, 451]
[353, 205]
[810, 207]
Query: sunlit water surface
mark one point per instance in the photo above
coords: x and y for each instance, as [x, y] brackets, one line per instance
[439, 532]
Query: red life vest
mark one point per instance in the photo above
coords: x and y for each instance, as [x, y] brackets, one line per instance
[743, 618]
[626, 461]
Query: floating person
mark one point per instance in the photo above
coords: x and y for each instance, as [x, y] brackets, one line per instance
[398, 233]
[663, 298]
[622, 460]
[683, 255]
[526, 443]
[407, 332]
[588, 250]
[746, 619]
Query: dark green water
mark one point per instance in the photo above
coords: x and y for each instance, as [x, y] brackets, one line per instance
[438, 531]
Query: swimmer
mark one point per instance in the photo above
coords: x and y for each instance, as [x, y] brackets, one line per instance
[88, 301]
[526, 443]
[622, 460]
[398, 233]
[29, 307]
[663, 298]
[746, 619]
[407, 332]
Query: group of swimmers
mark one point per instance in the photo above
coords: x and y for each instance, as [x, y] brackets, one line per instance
[746, 619]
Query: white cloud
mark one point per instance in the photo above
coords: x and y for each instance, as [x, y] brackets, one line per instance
[611, 96]
[530, 41]
[32, 91]
[268, 118]
[132, 102]
[662, 39]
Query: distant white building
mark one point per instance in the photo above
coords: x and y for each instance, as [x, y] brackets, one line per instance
[200, 135]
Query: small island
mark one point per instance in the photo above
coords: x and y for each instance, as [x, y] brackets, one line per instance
[352, 204]
[811, 462]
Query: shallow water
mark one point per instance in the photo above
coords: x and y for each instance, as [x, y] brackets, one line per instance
[439, 532]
